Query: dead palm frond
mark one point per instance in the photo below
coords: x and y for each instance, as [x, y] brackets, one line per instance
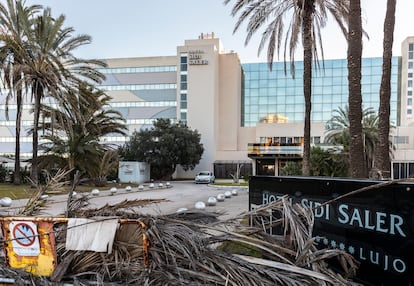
[187, 249]
[185, 252]
[54, 184]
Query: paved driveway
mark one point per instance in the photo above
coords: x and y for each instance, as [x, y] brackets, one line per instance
[179, 195]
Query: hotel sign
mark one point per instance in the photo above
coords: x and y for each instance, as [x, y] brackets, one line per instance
[195, 57]
[376, 226]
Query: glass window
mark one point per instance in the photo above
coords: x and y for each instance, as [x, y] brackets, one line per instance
[272, 99]
[403, 170]
[263, 100]
[183, 77]
[183, 67]
[409, 101]
[401, 140]
[254, 84]
[410, 170]
[410, 65]
[254, 75]
[317, 140]
[395, 169]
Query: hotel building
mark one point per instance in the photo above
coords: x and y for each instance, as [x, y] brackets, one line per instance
[247, 115]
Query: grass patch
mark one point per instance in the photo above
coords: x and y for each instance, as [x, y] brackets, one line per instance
[242, 184]
[15, 191]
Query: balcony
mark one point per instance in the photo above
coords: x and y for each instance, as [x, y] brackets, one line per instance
[275, 150]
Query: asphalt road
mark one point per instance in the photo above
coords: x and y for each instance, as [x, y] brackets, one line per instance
[178, 195]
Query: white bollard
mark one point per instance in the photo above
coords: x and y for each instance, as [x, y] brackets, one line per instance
[220, 197]
[200, 205]
[95, 192]
[113, 190]
[212, 201]
[5, 202]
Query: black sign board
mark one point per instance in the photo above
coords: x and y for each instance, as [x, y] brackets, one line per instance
[375, 225]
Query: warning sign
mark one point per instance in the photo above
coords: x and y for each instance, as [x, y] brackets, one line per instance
[25, 240]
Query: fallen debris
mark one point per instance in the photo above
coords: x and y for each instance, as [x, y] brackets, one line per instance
[188, 248]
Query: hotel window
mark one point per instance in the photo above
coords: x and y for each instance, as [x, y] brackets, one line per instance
[410, 75]
[183, 101]
[184, 117]
[183, 77]
[409, 101]
[183, 88]
[316, 140]
[183, 58]
[410, 93]
[410, 65]
[409, 111]
[410, 83]
[183, 62]
[403, 170]
[401, 140]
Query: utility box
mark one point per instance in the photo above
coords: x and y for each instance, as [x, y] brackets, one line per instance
[134, 172]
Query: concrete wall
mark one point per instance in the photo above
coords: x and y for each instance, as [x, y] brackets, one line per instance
[134, 172]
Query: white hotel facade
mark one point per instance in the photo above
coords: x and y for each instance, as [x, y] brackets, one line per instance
[245, 113]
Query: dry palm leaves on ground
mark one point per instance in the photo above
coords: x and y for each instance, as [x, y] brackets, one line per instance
[196, 248]
[184, 252]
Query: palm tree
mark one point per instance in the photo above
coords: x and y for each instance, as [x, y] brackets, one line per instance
[74, 131]
[307, 19]
[51, 69]
[382, 158]
[13, 18]
[338, 133]
[358, 166]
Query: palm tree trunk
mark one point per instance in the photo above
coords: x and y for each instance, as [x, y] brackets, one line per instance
[356, 148]
[382, 154]
[17, 178]
[37, 96]
[307, 87]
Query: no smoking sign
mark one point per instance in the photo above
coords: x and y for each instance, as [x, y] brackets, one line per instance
[25, 240]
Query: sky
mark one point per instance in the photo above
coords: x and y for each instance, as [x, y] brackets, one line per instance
[142, 28]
